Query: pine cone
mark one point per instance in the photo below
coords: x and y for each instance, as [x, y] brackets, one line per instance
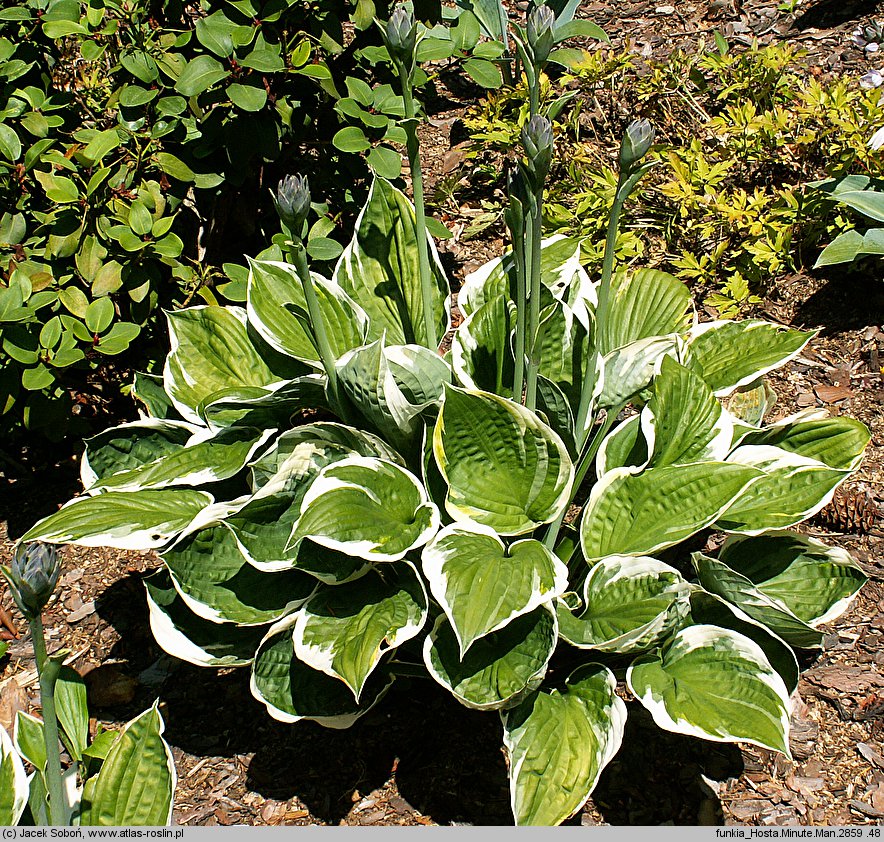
[851, 510]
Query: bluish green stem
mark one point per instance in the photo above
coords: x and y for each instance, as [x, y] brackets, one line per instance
[48, 671]
[412, 146]
[534, 237]
[521, 309]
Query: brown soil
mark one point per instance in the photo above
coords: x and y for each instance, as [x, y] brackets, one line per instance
[421, 758]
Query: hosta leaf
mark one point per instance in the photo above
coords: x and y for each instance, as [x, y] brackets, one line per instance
[689, 423]
[379, 270]
[751, 404]
[137, 779]
[277, 309]
[644, 304]
[637, 514]
[482, 584]
[711, 610]
[792, 489]
[815, 582]
[559, 262]
[148, 390]
[550, 779]
[627, 605]
[218, 584]
[392, 386]
[624, 447]
[137, 520]
[504, 467]
[717, 578]
[291, 691]
[564, 350]
[630, 368]
[210, 351]
[715, 684]
[13, 782]
[368, 508]
[272, 406]
[128, 446]
[73, 714]
[500, 668]
[732, 354]
[343, 631]
[191, 638]
[204, 461]
[480, 350]
[837, 442]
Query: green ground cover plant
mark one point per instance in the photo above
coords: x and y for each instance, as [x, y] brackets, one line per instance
[525, 519]
[740, 136]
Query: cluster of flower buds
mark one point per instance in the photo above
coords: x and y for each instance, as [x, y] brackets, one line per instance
[33, 576]
[541, 33]
[537, 139]
[292, 202]
[635, 145]
[400, 35]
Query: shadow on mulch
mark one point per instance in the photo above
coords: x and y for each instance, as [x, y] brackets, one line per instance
[446, 760]
[847, 301]
[26, 498]
[831, 13]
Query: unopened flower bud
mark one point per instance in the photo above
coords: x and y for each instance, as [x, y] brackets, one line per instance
[292, 201]
[541, 33]
[537, 138]
[33, 576]
[400, 34]
[636, 143]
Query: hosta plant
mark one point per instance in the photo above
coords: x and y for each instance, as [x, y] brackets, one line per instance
[337, 502]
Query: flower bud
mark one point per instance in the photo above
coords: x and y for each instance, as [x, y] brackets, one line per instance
[636, 143]
[541, 33]
[537, 138]
[33, 576]
[292, 201]
[400, 34]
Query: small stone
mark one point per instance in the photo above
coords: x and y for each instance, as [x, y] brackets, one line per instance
[665, 10]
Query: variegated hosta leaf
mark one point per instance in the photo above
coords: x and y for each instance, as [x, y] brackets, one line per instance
[751, 404]
[210, 352]
[302, 452]
[129, 446]
[564, 351]
[218, 584]
[13, 782]
[629, 369]
[136, 783]
[711, 610]
[367, 508]
[277, 309]
[482, 585]
[554, 408]
[628, 605]
[837, 442]
[815, 582]
[291, 691]
[134, 520]
[792, 488]
[559, 263]
[644, 304]
[203, 460]
[392, 386]
[343, 631]
[715, 684]
[625, 447]
[731, 354]
[379, 270]
[148, 390]
[717, 578]
[689, 423]
[500, 668]
[637, 514]
[481, 353]
[271, 406]
[558, 744]
[191, 638]
[504, 467]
